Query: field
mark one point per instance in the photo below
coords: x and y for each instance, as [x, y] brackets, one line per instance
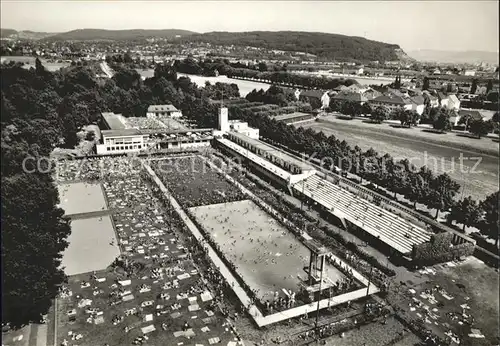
[403, 143]
[30, 62]
[194, 184]
[92, 245]
[457, 297]
[266, 255]
[79, 198]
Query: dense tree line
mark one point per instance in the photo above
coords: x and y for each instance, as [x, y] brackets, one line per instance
[334, 46]
[273, 95]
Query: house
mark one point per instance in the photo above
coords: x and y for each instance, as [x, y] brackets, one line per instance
[356, 88]
[350, 96]
[392, 102]
[316, 98]
[432, 100]
[370, 94]
[156, 111]
[418, 104]
[453, 102]
[443, 99]
[469, 73]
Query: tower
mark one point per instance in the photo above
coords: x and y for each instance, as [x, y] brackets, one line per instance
[223, 122]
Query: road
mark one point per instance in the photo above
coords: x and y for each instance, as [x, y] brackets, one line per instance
[477, 173]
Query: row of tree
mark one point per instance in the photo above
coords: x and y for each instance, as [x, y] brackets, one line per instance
[482, 215]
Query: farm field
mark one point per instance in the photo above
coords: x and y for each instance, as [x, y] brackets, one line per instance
[266, 254]
[443, 158]
[92, 245]
[193, 183]
[79, 198]
[30, 62]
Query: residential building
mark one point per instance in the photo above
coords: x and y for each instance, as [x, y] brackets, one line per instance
[469, 73]
[163, 111]
[392, 102]
[418, 104]
[351, 96]
[316, 98]
[453, 102]
[432, 100]
[356, 88]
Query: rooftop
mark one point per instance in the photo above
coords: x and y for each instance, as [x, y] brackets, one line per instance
[273, 151]
[161, 108]
[290, 116]
[113, 121]
[398, 100]
[312, 93]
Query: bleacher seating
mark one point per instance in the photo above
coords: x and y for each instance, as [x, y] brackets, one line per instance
[388, 227]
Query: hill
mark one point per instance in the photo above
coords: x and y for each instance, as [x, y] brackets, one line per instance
[117, 35]
[456, 57]
[7, 32]
[24, 34]
[333, 46]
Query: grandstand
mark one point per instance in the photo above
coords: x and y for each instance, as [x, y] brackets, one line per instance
[394, 231]
[389, 228]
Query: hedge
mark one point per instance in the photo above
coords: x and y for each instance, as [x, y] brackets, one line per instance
[440, 249]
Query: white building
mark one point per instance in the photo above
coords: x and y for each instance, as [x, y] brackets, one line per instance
[163, 111]
[225, 125]
[122, 141]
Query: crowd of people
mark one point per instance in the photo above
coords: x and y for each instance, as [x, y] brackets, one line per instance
[193, 183]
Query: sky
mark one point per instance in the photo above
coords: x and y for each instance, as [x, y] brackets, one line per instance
[438, 25]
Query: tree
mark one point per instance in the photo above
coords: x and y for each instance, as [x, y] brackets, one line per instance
[442, 191]
[90, 136]
[366, 108]
[480, 127]
[397, 82]
[407, 117]
[489, 224]
[489, 86]
[442, 121]
[380, 114]
[473, 87]
[426, 84]
[466, 212]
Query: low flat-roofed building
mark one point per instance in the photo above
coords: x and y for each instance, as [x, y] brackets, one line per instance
[293, 117]
[270, 153]
[243, 128]
[159, 111]
[122, 141]
[112, 121]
